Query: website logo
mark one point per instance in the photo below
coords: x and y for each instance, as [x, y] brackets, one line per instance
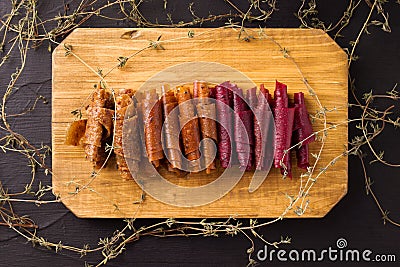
[338, 253]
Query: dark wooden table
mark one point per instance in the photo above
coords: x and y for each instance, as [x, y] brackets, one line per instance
[356, 218]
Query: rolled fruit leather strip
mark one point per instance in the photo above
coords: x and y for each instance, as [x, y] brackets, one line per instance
[302, 152]
[251, 96]
[284, 117]
[152, 119]
[132, 142]
[303, 131]
[252, 99]
[223, 97]
[244, 136]
[171, 129]
[262, 128]
[301, 119]
[190, 131]
[126, 129]
[98, 126]
[206, 112]
[139, 111]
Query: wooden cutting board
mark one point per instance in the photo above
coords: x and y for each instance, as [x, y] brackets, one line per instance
[321, 60]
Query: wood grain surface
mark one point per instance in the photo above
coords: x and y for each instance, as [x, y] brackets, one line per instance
[321, 60]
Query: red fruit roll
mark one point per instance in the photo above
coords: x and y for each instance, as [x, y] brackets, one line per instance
[225, 118]
[251, 96]
[284, 117]
[301, 119]
[262, 126]
[244, 136]
[303, 132]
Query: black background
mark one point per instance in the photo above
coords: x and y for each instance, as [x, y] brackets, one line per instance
[355, 218]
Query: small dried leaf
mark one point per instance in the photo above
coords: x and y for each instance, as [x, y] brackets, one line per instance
[131, 34]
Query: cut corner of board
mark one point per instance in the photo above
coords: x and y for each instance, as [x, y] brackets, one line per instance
[336, 202]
